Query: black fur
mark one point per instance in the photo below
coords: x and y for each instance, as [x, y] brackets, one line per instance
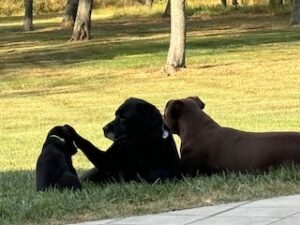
[141, 149]
[54, 166]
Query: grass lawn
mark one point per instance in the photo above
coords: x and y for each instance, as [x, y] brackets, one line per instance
[244, 67]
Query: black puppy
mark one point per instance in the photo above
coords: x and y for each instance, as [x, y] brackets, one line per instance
[54, 166]
[143, 147]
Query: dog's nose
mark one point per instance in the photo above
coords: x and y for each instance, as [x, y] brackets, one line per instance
[104, 129]
[109, 133]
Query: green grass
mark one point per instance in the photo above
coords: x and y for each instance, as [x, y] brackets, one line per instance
[22, 205]
[244, 67]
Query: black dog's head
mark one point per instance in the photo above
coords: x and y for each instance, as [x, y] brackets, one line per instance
[57, 134]
[135, 119]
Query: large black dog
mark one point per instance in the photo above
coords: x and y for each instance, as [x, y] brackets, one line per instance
[54, 166]
[143, 147]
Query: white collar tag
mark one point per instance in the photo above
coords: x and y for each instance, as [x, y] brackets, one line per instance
[165, 134]
[75, 144]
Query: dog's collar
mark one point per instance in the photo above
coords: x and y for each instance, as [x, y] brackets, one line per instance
[165, 133]
[160, 132]
[58, 138]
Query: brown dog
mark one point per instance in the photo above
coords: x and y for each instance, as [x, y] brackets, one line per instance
[207, 147]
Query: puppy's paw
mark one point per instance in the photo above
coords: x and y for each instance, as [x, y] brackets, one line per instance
[69, 131]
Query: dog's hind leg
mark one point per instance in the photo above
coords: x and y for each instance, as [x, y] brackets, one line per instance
[69, 181]
[97, 176]
[94, 175]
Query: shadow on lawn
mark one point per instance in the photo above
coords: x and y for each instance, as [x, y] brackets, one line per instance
[14, 181]
[21, 204]
[125, 38]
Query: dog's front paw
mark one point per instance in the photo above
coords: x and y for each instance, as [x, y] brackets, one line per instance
[69, 131]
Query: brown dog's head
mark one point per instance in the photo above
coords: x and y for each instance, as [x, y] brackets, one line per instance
[175, 108]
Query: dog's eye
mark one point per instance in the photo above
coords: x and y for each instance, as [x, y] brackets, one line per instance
[122, 120]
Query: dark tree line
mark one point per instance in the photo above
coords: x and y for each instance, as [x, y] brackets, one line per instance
[146, 2]
[233, 2]
[295, 18]
[71, 8]
[77, 14]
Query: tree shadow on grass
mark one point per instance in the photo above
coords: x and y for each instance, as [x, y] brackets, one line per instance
[114, 39]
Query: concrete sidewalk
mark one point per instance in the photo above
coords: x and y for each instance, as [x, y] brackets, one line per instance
[275, 211]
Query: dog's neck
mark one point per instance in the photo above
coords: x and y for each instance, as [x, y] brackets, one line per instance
[54, 139]
[161, 133]
[62, 140]
[194, 122]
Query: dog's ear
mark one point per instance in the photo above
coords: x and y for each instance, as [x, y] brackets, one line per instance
[175, 108]
[57, 130]
[150, 115]
[198, 101]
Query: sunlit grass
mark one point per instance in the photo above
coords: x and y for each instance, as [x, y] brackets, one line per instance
[244, 67]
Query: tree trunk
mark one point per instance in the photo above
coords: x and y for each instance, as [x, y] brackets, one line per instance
[28, 15]
[295, 18]
[272, 3]
[146, 2]
[69, 16]
[167, 12]
[275, 2]
[176, 54]
[81, 30]
[224, 3]
[149, 3]
[235, 4]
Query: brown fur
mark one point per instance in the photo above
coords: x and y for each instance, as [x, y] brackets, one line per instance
[207, 147]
